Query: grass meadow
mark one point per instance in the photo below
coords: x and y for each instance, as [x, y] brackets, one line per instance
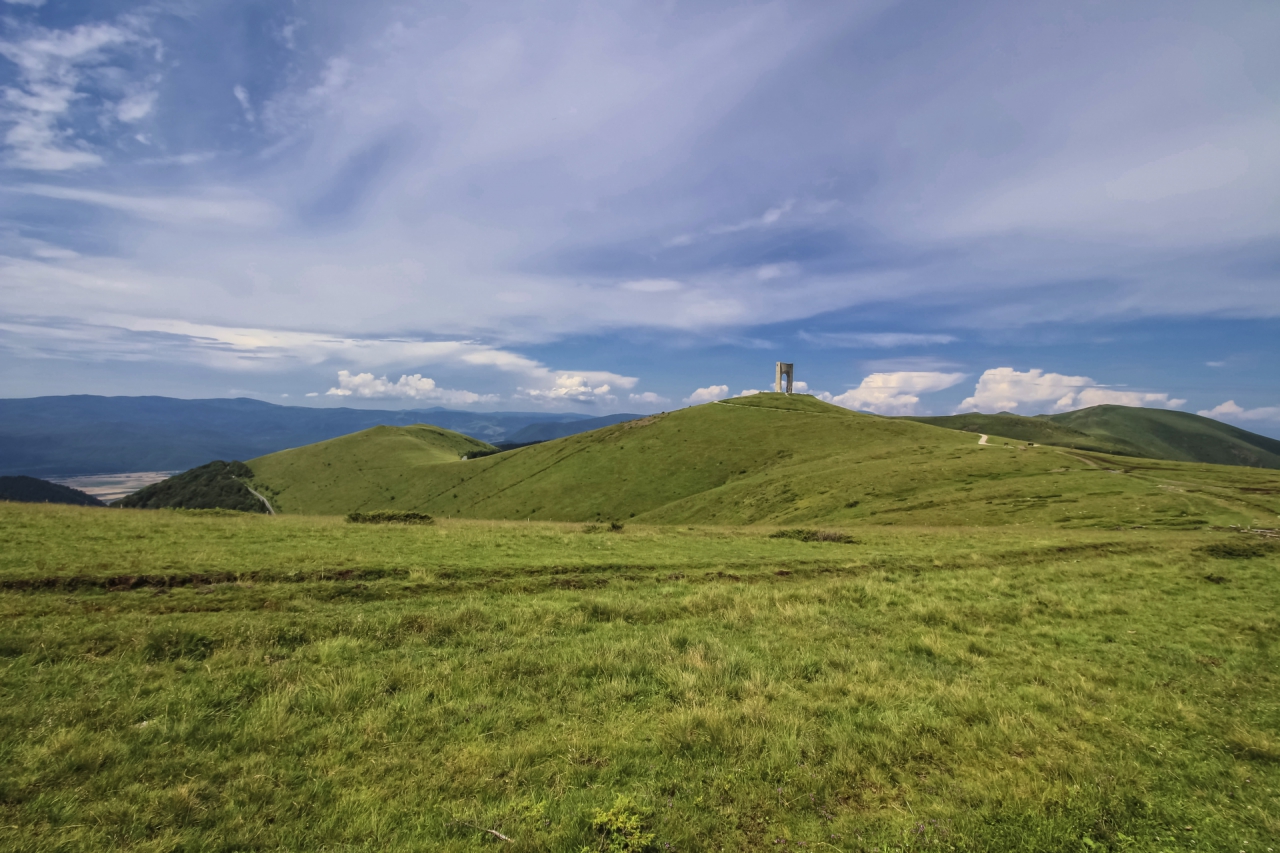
[174, 681]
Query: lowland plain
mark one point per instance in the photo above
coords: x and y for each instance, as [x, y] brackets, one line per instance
[1088, 667]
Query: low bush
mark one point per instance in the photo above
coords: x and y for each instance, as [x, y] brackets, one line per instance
[803, 534]
[390, 516]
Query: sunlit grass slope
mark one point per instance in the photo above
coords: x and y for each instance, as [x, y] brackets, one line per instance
[358, 471]
[772, 459]
[186, 681]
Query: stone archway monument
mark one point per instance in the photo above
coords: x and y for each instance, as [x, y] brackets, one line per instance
[787, 370]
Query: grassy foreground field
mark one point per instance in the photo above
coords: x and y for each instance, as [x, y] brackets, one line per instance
[193, 681]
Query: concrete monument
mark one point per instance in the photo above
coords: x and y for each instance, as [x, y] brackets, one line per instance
[787, 370]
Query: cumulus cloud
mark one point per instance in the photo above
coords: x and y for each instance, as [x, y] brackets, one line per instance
[648, 398]
[578, 388]
[892, 393]
[1004, 389]
[1230, 411]
[707, 395]
[748, 392]
[415, 387]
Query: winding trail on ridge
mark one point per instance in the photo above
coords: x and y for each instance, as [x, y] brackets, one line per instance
[265, 502]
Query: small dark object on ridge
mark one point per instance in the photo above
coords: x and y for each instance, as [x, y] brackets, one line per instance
[805, 535]
[389, 516]
[616, 526]
[1216, 579]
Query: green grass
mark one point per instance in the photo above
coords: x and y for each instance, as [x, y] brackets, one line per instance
[213, 681]
[773, 459]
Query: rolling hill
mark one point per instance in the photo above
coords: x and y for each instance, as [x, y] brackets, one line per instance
[33, 490]
[768, 459]
[84, 434]
[216, 485]
[373, 469]
[1180, 436]
[1034, 430]
[1129, 431]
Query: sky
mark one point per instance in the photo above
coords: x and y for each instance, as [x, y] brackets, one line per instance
[929, 208]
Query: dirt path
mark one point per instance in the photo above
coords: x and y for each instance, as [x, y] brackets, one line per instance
[265, 502]
[982, 439]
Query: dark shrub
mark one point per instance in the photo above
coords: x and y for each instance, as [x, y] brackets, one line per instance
[390, 516]
[805, 535]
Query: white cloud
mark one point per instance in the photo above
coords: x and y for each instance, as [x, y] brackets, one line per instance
[313, 394]
[226, 207]
[768, 272]
[136, 107]
[415, 387]
[51, 67]
[893, 393]
[1005, 389]
[748, 392]
[882, 340]
[652, 285]
[707, 395]
[242, 95]
[578, 388]
[1230, 411]
[36, 3]
[648, 398]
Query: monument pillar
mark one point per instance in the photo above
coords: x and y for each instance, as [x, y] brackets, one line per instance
[787, 370]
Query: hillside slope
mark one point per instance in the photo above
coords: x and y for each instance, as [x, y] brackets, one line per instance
[1034, 430]
[366, 470]
[1128, 431]
[774, 459]
[551, 431]
[1180, 436]
[215, 485]
[33, 490]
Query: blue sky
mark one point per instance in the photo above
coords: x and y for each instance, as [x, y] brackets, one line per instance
[1032, 206]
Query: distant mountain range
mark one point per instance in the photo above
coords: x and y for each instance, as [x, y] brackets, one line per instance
[84, 434]
[1129, 431]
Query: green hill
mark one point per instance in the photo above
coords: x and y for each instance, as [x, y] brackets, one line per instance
[1034, 430]
[217, 485]
[372, 469]
[1181, 436]
[769, 459]
[23, 489]
[1129, 431]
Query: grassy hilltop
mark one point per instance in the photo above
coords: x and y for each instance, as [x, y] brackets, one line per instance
[767, 459]
[372, 469]
[193, 681]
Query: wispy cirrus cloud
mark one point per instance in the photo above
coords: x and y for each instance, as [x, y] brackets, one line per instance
[53, 66]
